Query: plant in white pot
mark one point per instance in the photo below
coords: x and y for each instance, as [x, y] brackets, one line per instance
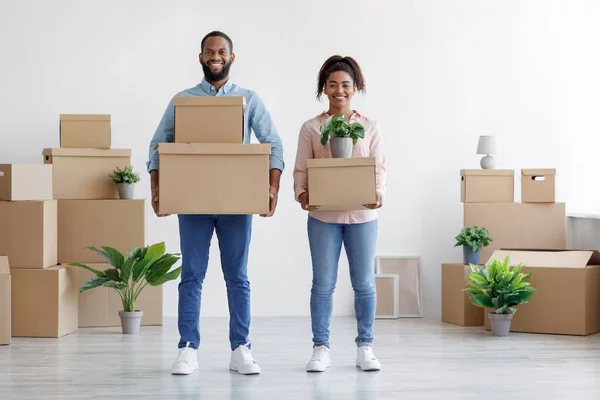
[501, 288]
[125, 179]
[130, 274]
[473, 239]
[342, 136]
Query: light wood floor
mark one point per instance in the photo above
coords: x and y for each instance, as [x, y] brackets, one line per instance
[421, 358]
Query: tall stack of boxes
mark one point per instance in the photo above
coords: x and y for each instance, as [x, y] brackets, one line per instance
[209, 169]
[537, 222]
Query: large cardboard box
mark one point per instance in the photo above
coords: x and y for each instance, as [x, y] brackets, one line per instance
[213, 178]
[101, 306]
[456, 307]
[567, 301]
[44, 301]
[538, 185]
[487, 185]
[20, 182]
[85, 131]
[519, 225]
[341, 183]
[4, 301]
[85, 173]
[209, 119]
[116, 223]
[28, 233]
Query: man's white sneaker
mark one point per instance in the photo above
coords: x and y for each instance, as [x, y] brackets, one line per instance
[365, 359]
[242, 362]
[186, 362]
[320, 360]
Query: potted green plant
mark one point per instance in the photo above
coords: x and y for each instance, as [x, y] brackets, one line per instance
[341, 135]
[125, 179]
[500, 288]
[130, 274]
[473, 239]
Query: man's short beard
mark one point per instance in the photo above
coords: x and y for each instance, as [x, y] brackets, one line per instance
[216, 77]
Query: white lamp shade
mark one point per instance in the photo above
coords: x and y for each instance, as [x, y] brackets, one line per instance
[487, 145]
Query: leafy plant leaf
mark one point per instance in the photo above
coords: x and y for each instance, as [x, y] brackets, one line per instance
[95, 271]
[159, 280]
[98, 281]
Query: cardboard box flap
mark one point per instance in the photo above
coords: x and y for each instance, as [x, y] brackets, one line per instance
[539, 172]
[213, 148]
[4, 266]
[74, 152]
[85, 117]
[548, 257]
[340, 162]
[214, 101]
[487, 172]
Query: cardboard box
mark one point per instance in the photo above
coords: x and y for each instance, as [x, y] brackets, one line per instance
[85, 131]
[487, 185]
[538, 185]
[85, 173]
[567, 301]
[456, 307]
[213, 178]
[341, 183]
[209, 119]
[28, 233]
[44, 302]
[101, 306]
[4, 301]
[116, 223]
[519, 225]
[20, 182]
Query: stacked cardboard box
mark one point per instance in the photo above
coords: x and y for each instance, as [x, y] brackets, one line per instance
[488, 197]
[90, 213]
[209, 169]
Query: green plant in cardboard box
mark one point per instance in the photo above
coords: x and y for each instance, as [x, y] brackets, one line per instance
[131, 273]
[342, 135]
[499, 287]
[473, 239]
[125, 179]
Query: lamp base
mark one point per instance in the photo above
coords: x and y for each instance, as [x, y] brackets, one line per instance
[488, 162]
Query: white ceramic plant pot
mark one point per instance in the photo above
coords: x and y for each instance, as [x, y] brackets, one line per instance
[131, 321]
[500, 323]
[341, 147]
[126, 190]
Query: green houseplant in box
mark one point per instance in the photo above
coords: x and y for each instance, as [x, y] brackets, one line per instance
[125, 179]
[341, 135]
[499, 287]
[130, 274]
[473, 239]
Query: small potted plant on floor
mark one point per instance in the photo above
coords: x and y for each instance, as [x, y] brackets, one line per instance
[473, 239]
[130, 274]
[341, 135]
[125, 179]
[500, 288]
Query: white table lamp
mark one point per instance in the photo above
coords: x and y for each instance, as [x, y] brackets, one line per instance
[488, 145]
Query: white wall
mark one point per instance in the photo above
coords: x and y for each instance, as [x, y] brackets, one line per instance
[439, 74]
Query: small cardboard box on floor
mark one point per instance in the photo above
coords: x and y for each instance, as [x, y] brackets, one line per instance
[209, 119]
[212, 178]
[28, 233]
[19, 182]
[44, 302]
[567, 300]
[487, 185]
[85, 173]
[101, 306]
[341, 183]
[88, 131]
[5, 289]
[456, 306]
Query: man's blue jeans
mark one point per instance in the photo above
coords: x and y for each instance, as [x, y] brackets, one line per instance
[233, 233]
[325, 241]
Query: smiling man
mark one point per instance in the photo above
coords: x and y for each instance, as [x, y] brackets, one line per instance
[233, 231]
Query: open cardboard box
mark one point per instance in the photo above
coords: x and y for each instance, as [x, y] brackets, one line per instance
[567, 300]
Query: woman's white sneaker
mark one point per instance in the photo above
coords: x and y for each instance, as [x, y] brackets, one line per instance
[242, 362]
[365, 359]
[186, 362]
[320, 360]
